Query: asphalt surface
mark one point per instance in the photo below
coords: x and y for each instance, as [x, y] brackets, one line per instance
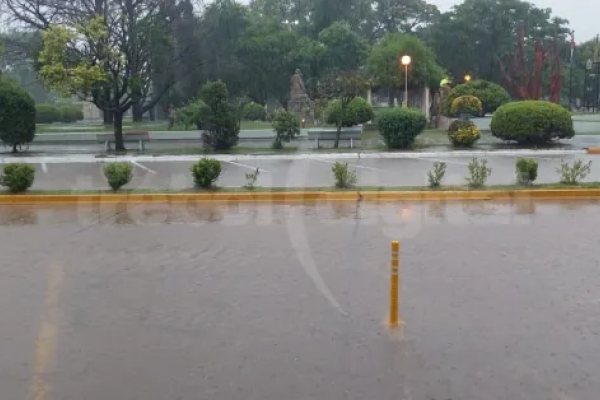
[300, 173]
[500, 301]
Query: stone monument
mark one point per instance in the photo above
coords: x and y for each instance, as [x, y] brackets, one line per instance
[300, 103]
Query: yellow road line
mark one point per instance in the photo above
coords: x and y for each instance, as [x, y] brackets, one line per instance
[45, 346]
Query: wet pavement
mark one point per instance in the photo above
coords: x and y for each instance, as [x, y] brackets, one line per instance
[314, 172]
[500, 301]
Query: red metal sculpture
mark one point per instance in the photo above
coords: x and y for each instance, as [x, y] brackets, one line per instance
[524, 81]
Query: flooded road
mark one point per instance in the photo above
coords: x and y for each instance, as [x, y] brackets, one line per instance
[501, 301]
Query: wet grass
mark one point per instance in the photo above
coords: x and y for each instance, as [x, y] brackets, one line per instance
[460, 188]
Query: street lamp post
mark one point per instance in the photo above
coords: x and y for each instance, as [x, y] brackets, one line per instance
[405, 60]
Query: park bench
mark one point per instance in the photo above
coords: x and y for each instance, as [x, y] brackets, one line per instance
[128, 137]
[351, 134]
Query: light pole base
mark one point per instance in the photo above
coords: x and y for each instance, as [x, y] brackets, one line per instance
[404, 104]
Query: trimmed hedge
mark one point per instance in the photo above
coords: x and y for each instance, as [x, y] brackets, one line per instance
[46, 114]
[17, 117]
[490, 94]
[359, 111]
[532, 122]
[254, 112]
[399, 127]
[70, 114]
[466, 105]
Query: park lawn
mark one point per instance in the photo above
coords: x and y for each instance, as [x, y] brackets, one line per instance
[78, 127]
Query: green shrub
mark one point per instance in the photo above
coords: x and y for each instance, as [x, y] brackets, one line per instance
[118, 174]
[218, 119]
[532, 122]
[17, 177]
[357, 112]
[526, 170]
[286, 127]
[466, 105]
[436, 175]
[190, 114]
[490, 94]
[464, 136]
[399, 127]
[343, 176]
[573, 174]
[17, 117]
[70, 114]
[206, 172]
[46, 114]
[254, 112]
[478, 173]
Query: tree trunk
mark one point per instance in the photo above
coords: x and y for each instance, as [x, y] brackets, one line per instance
[152, 112]
[118, 130]
[391, 96]
[14, 150]
[108, 117]
[338, 133]
[136, 111]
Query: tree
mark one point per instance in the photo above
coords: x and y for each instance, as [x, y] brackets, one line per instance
[344, 49]
[482, 30]
[286, 127]
[17, 116]
[218, 117]
[344, 87]
[270, 54]
[102, 50]
[384, 65]
[400, 16]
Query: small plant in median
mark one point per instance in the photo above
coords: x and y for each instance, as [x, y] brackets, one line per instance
[573, 174]
[478, 173]
[344, 177]
[436, 175]
[118, 174]
[17, 177]
[526, 170]
[206, 172]
[251, 179]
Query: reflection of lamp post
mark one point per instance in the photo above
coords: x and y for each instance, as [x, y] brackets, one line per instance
[405, 60]
[467, 78]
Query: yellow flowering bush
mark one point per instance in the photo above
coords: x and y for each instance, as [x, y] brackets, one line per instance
[465, 135]
[466, 105]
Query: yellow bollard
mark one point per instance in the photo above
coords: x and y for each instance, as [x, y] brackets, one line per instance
[395, 284]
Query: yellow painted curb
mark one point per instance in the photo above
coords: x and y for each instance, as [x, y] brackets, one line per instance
[593, 150]
[291, 197]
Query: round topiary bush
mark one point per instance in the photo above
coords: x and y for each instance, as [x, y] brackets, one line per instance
[399, 127]
[17, 117]
[490, 94]
[358, 111]
[532, 122]
[464, 135]
[470, 105]
[46, 114]
[254, 112]
[17, 177]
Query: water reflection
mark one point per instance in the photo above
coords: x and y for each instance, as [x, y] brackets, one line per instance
[238, 214]
[18, 215]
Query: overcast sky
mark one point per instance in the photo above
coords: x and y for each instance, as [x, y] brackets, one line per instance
[582, 14]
